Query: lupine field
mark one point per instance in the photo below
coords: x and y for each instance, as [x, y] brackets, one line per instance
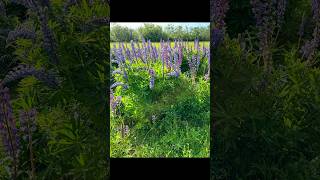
[265, 69]
[160, 99]
[53, 60]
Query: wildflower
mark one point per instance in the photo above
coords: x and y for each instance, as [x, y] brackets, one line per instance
[22, 31]
[193, 63]
[266, 22]
[8, 129]
[281, 8]
[173, 74]
[219, 10]
[49, 44]
[216, 37]
[152, 74]
[116, 84]
[116, 72]
[27, 120]
[133, 49]
[21, 71]
[308, 50]
[128, 55]
[114, 101]
[207, 76]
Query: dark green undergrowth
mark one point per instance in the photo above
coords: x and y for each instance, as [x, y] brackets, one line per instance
[266, 126]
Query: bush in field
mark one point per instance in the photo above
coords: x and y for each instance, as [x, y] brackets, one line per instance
[163, 112]
[122, 34]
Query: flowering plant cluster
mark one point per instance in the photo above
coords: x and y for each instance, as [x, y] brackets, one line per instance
[147, 79]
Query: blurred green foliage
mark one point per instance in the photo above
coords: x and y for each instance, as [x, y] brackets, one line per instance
[266, 126]
[71, 138]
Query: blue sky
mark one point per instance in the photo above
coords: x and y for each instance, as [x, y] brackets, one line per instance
[137, 25]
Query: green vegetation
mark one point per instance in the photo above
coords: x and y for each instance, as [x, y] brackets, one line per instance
[267, 108]
[156, 33]
[53, 60]
[166, 117]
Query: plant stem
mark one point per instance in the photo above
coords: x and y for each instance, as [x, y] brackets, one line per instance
[32, 176]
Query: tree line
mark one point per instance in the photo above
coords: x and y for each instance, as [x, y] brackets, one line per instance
[155, 33]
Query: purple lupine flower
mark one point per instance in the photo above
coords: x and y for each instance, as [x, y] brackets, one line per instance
[152, 54]
[27, 128]
[139, 54]
[315, 5]
[216, 37]
[152, 77]
[196, 44]
[125, 76]
[170, 62]
[155, 51]
[309, 49]
[120, 55]
[50, 78]
[8, 129]
[27, 123]
[180, 54]
[122, 46]
[115, 61]
[116, 84]
[116, 72]
[22, 31]
[165, 55]
[49, 43]
[269, 15]
[149, 47]
[144, 51]
[114, 101]
[170, 58]
[128, 55]
[207, 76]
[193, 63]
[219, 10]
[173, 74]
[175, 56]
[133, 50]
[281, 8]
[177, 61]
